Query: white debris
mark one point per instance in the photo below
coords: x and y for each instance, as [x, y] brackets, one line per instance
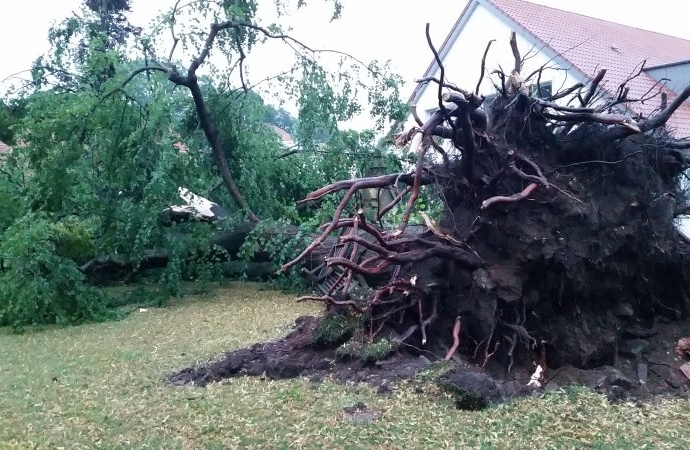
[535, 379]
[198, 206]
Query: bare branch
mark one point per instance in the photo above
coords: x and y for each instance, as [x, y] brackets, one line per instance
[502, 76]
[594, 84]
[483, 68]
[606, 119]
[362, 183]
[413, 110]
[461, 256]
[656, 121]
[595, 161]
[464, 124]
[435, 120]
[175, 39]
[446, 85]
[566, 92]
[557, 107]
[393, 202]
[540, 178]
[440, 66]
[516, 53]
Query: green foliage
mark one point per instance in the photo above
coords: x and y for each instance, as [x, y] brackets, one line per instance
[428, 202]
[436, 369]
[464, 400]
[11, 113]
[384, 97]
[12, 204]
[39, 282]
[73, 240]
[278, 239]
[369, 352]
[334, 329]
[103, 153]
[280, 118]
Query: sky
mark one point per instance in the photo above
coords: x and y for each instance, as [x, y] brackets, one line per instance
[369, 29]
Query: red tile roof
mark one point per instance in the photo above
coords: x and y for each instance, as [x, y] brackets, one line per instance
[4, 148]
[283, 135]
[590, 44]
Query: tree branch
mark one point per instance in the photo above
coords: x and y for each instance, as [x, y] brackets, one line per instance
[516, 53]
[483, 67]
[440, 66]
[659, 120]
[566, 92]
[593, 87]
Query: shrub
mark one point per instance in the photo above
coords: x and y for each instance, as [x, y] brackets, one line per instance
[40, 282]
[334, 329]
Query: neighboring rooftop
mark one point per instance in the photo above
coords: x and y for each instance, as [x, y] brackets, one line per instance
[589, 44]
[4, 148]
[283, 135]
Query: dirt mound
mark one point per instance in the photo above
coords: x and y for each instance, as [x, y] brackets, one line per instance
[293, 356]
[652, 370]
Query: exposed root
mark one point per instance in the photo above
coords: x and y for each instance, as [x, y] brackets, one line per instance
[456, 339]
[331, 301]
[509, 199]
[421, 281]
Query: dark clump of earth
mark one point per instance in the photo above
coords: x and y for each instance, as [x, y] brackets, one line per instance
[640, 372]
[293, 356]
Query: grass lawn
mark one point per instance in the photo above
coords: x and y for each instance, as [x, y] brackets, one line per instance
[100, 386]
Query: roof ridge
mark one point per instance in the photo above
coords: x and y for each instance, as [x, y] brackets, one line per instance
[585, 54]
[495, 3]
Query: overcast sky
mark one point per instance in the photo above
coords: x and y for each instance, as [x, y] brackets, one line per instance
[368, 29]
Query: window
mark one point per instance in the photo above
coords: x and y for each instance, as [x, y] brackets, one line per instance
[429, 112]
[543, 90]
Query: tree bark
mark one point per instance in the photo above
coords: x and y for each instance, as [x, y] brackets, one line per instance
[212, 136]
[111, 268]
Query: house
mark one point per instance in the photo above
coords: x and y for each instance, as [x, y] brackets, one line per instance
[4, 148]
[575, 47]
[285, 137]
[4, 151]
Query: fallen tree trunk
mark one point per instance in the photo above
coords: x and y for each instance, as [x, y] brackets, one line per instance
[117, 268]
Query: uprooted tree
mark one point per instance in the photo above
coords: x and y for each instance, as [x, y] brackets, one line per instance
[555, 216]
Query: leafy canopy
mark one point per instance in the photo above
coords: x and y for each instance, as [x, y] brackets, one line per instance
[104, 137]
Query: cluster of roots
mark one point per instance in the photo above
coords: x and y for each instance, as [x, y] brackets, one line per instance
[559, 231]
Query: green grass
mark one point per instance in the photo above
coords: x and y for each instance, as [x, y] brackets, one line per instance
[100, 386]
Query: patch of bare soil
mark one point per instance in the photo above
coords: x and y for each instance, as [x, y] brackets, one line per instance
[647, 365]
[293, 356]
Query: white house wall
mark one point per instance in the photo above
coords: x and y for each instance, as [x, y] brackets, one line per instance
[462, 62]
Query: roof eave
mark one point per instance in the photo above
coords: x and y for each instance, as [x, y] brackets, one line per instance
[671, 64]
[443, 49]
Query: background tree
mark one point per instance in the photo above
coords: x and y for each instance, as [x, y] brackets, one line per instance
[109, 138]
